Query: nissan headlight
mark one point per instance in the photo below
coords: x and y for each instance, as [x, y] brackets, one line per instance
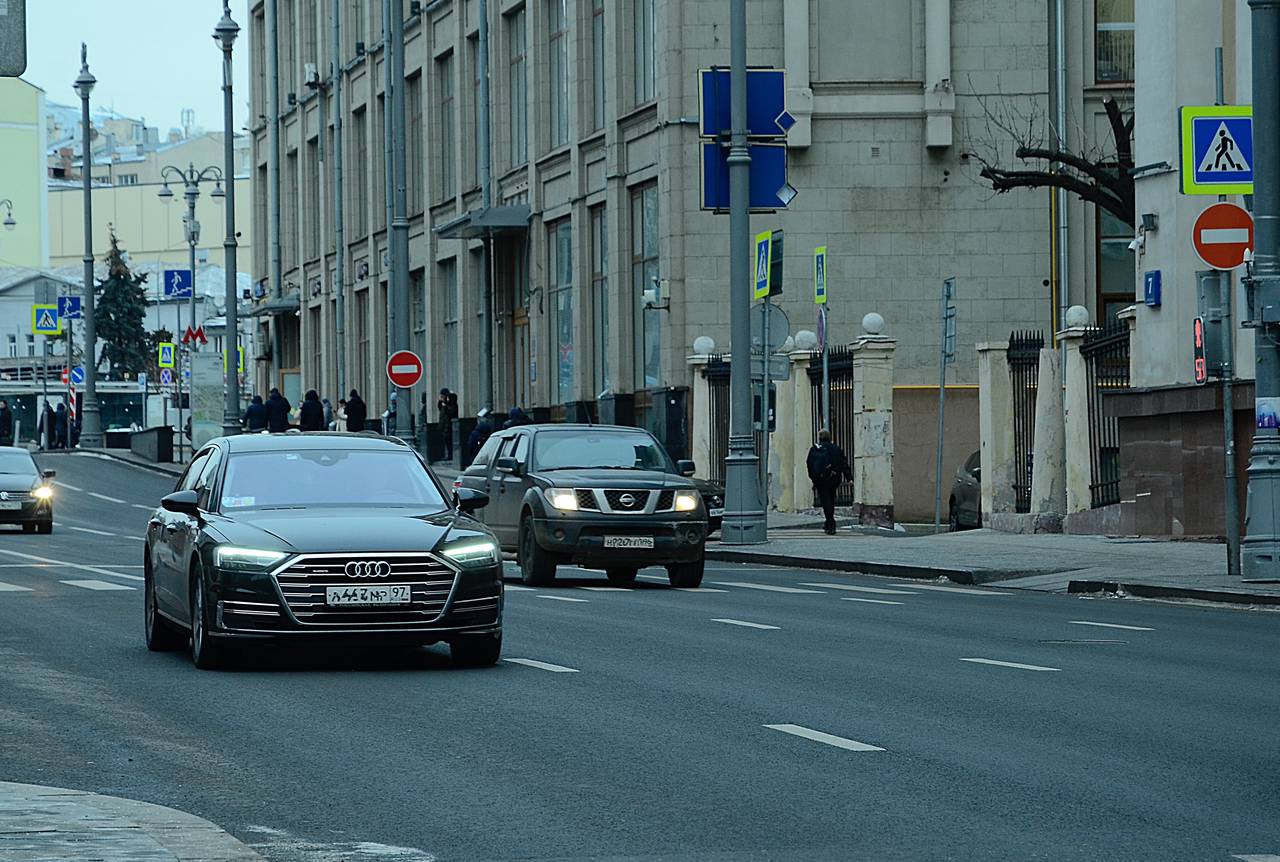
[686, 501]
[474, 553]
[245, 559]
[44, 492]
[562, 498]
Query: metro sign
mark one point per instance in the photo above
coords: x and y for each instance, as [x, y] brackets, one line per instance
[1200, 366]
[1222, 234]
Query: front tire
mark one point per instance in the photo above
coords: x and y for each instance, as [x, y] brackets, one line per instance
[45, 527]
[206, 652]
[476, 650]
[29, 527]
[161, 635]
[621, 577]
[686, 575]
[537, 565]
[953, 518]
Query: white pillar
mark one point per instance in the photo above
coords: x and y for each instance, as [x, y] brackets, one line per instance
[794, 491]
[995, 421]
[700, 395]
[1048, 467]
[872, 455]
[1075, 418]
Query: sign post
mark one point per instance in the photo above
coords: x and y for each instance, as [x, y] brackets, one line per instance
[947, 355]
[820, 299]
[404, 370]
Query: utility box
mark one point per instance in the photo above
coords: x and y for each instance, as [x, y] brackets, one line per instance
[1211, 303]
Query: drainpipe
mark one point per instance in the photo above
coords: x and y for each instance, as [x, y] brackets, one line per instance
[485, 169]
[273, 180]
[340, 239]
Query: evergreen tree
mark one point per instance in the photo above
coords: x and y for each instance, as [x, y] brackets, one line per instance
[118, 314]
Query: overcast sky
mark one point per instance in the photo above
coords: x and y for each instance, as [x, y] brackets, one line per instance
[152, 58]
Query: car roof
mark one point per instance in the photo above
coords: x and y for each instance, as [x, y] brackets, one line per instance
[363, 440]
[577, 426]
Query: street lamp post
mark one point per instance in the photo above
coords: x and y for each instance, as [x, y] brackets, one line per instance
[9, 222]
[90, 418]
[225, 34]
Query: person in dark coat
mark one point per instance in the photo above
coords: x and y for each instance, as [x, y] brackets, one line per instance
[60, 427]
[479, 436]
[828, 467]
[311, 416]
[44, 427]
[278, 408]
[255, 415]
[448, 407]
[516, 418]
[6, 424]
[356, 412]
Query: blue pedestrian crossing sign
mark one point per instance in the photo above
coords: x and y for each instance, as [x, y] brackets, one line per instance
[763, 243]
[45, 320]
[1217, 150]
[177, 283]
[69, 307]
[165, 358]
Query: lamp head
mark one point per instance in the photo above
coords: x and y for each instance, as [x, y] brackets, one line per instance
[9, 223]
[165, 194]
[226, 30]
[217, 194]
[85, 80]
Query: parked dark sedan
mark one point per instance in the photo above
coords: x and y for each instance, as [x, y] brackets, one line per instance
[26, 491]
[599, 496]
[966, 496]
[322, 536]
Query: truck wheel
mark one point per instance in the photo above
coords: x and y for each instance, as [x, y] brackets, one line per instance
[537, 565]
[686, 574]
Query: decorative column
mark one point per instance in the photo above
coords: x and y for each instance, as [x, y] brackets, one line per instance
[792, 438]
[1048, 466]
[872, 455]
[700, 407]
[995, 422]
[1075, 420]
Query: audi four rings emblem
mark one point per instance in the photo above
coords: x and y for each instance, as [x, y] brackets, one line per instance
[627, 501]
[367, 569]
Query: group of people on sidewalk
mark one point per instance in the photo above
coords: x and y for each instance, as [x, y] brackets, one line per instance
[274, 414]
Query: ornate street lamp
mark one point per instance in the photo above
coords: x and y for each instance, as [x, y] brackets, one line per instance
[90, 418]
[225, 35]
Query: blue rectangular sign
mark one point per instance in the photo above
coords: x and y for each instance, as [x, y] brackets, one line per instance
[768, 176]
[69, 307]
[177, 283]
[1151, 288]
[767, 115]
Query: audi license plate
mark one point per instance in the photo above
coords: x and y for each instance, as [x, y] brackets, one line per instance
[628, 541]
[10, 504]
[390, 594]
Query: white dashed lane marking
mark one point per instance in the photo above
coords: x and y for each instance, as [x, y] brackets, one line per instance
[91, 531]
[826, 738]
[13, 588]
[880, 591]
[698, 590]
[562, 599]
[1110, 626]
[541, 665]
[520, 589]
[1012, 664]
[766, 587]
[869, 601]
[746, 624]
[142, 507]
[105, 497]
[97, 585]
[1256, 857]
[961, 590]
[607, 589]
[68, 487]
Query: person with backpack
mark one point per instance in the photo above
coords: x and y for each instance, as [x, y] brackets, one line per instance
[828, 467]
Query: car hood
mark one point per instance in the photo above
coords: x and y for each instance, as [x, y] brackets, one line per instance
[320, 530]
[18, 482]
[644, 480]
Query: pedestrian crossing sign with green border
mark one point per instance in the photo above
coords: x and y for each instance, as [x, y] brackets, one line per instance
[165, 357]
[45, 320]
[1217, 149]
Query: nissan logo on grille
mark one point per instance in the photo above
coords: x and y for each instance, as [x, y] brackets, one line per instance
[627, 501]
[367, 569]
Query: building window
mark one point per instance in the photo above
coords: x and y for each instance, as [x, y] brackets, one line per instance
[645, 51]
[448, 167]
[288, 22]
[292, 211]
[644, 273]
[418, 308]
[560, 280]
[259, 37]
[310, 35]
[312, 190]
[517, 74]
[361, 379]
[1114, 45]
[558, 62]
[1117, 279]
[31, 345]
[315, 332]
[413, 144]
[13, 346]
[355, 23]
[359, 217]
[600, 296]
[448, 298]
[473, 61]
[126, 179]
[597, 64]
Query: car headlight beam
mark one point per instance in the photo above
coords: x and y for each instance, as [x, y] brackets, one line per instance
[686, 501]
[473, 553]
[562, 498]
[245, 559]
[44, 492]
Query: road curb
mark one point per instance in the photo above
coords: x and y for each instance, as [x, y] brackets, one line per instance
[968, 577]
[167, 470]
[38, 822]
[1158, 591]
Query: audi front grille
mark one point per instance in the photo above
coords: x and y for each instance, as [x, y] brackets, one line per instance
[303, 582]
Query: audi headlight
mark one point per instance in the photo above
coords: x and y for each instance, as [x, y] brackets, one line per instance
[686, 501]
[44, 492]
[474, 553]
[245, 559]
[562, 498]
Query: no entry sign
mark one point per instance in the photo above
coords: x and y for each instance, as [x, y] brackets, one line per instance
[1222, 234]
[404, 369]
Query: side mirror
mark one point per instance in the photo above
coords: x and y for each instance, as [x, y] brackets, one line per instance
[508, 465]
[182, 502]
[48, 474]
[686, 468]
[469, 499]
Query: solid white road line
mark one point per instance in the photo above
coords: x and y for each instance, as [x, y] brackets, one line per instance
[1012, 664]
[850, 587]
[142, 507]
[97, 585]
[81, 566]
[1256, 857]
[541, 665]
[607, 589]
[562, 599]
[964, 590]
[88, 530]
[746, 624]
[1110, 626]
[869, 601]
[698, 590]
[520, 589]
[13, 588]
[105, 497]
[68, 487]
[827, 738]
[767, 587]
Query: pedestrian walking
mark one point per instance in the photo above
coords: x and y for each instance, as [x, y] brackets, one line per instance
[516, 418]
[448, 408]
[255, 415]
[356, 412]
[328, 413]
[478, 437]
[311, 416]
[828, 467]
[278, 408]
[60, 427]
[6, 424]
[340, 416]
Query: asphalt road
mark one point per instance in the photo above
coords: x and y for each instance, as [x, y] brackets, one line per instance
[776, 714]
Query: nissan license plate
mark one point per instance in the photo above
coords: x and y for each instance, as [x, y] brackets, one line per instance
[716, 513]
[388, 594]
[628, 541]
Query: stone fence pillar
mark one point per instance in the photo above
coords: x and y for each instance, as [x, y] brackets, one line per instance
[872, 455]
[1048, 466]
[1075, 419]
[995, 422]
[795, 412]
[700, 396]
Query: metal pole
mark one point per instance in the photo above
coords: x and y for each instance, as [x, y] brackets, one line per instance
[400, 214]
[91, 422]
[226, 32]
[826, 371]
[485, 169]
[193, 192]
[177, 371]
[273, 180]
[764, 408]
[1232, 508]
[1261, 545]
[744, 517]
[340, 239]
[42, 436]
[388, 176]
[942, 414]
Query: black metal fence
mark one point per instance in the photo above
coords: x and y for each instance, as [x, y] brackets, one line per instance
[840, 375]
[1106, 358]
[1024, 374]
[716, 372]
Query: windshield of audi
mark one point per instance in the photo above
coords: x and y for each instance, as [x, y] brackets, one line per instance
[611, 450]
[327, 477]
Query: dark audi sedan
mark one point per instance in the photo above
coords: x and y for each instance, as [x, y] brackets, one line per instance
[599, 496]
[319, 536]
[26, 492]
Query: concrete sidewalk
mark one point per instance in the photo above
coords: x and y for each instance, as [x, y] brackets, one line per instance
[1052, 563]
[39, 824]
